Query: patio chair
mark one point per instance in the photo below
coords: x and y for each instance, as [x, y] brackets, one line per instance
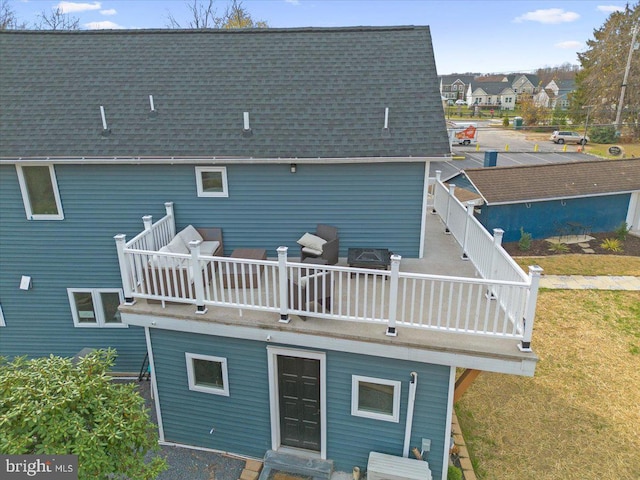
[323, 244]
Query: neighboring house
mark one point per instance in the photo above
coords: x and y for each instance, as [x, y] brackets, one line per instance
[256, 137]
[454, 87]
[523, 83]
[556, 199]
[488, 95]
[555, 94]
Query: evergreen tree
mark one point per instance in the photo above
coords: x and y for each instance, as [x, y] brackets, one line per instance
[603, 67]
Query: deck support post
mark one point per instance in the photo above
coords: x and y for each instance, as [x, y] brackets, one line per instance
[393, 295]
[283, 285]
[497, 242]
[530, 308]
[125, 275]
[464, 382]
[198, 276]
[452, 189]
[470, 206]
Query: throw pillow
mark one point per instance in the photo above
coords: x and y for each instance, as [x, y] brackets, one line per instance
[311, 241]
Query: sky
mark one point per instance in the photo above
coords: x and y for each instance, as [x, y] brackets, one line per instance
[468, 35]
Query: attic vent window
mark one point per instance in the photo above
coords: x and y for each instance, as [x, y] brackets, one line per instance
[246, 127]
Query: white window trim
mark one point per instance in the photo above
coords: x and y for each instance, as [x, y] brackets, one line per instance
[97, 305]
[192, 376]
[355, 400]
[2, 322]
[25, 193]
[225, 186]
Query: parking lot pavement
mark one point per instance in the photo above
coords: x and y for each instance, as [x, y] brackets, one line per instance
[505, 159]
[514, 147]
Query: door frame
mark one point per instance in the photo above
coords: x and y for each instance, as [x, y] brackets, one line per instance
[633, 213]
[274, 403]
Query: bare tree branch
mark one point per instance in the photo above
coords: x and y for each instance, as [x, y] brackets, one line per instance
[203, 15]
[57, 20]
[8, 19]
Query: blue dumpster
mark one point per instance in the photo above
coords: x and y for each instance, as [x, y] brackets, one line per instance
[490, 158]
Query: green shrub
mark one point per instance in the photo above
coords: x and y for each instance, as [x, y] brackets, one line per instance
[52, 404]
[505, 121]
[454, 473]
[559, 117]
[622, 231]
[558, 247]
[605, 134]
[612, 244]
[524, 244]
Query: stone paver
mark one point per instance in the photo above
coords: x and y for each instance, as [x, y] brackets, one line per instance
[583, 282]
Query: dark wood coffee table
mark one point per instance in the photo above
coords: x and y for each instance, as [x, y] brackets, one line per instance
[378, 258]
[251, 272]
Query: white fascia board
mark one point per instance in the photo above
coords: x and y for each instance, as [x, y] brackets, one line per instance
[551, 199]
[524, 366]
[216, 160]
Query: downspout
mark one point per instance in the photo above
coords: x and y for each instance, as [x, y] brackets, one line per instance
[413, 384]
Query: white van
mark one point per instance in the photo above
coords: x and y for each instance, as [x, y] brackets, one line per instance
[462, 133]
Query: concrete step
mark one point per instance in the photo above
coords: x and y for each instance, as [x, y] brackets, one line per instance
[295, 465]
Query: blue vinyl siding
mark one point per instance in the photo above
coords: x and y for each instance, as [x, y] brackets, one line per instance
[77, 252]
[242, 420]
[351, 438]
[374, 205]
[543, 219]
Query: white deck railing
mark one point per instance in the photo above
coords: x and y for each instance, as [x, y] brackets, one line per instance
[496, 307]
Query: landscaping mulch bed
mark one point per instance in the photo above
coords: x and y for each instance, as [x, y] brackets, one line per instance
[630, 246]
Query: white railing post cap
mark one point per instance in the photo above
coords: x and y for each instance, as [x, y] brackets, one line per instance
[535, 270]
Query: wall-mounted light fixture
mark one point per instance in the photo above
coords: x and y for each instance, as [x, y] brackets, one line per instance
[25, 283]
[293, 167]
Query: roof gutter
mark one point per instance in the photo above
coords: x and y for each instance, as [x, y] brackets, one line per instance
[215, 160]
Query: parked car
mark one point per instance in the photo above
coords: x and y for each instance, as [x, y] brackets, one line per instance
[568, 137]
[461, 102]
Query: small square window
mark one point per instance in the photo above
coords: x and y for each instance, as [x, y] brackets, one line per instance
[95, 307]
[212, 181]
[40, 192]
[375, 398]
[207, 374]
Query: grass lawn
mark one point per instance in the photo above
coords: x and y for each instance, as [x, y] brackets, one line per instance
[579, 264]
[578, 416]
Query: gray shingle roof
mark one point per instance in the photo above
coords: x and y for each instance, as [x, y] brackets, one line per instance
[491, 88]
[560, 180]
[310, 92]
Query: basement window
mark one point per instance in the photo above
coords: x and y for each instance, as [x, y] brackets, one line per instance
[375, 398]
[207, 374]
